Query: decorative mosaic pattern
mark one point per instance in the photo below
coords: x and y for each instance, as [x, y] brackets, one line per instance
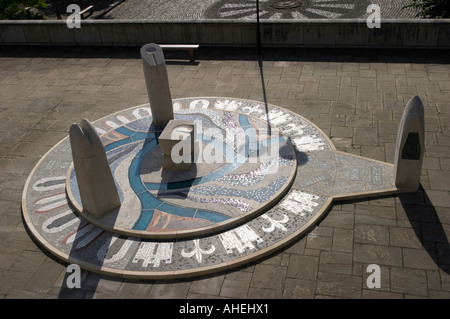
[283, 9]
[246, 9]
[322, 174]
[133, 154]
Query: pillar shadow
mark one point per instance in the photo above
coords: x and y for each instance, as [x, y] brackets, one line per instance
[99, 243]
[179, 188]
[88, 280]
[427, 226]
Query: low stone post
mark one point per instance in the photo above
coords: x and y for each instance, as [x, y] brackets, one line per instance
[96, 184]
[410, 147]
[157, 82]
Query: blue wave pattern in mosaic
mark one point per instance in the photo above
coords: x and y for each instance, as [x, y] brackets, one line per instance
[135, 140]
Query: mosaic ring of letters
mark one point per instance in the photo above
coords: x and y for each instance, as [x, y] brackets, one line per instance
[321, 175]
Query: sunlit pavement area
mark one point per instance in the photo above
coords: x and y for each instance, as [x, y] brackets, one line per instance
[355, 96]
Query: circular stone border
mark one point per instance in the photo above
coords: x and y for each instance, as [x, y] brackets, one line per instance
[63, 232]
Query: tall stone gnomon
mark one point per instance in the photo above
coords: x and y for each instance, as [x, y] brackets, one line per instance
[158, 90]
[96, 184]
[157, 83]
[410, 146]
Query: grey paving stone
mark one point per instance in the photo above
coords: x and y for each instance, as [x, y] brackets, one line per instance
[371, 234]
[434, 232]
[134, 290]
[66, 293]
[264, 293]
[169, 290]
[439, 180]
[439, 294]
[404, 237]
[439, 198]
[374, 294]
[8, 223]
[409, 281]
[378, 254]
[45, 275]
[340, 131]
[314, 241]
[24, 294]
[336, 262]
[28, 261]
[416, 212]
[419, 259]
[107, 285]
[268, 277]
[339, 219]
[342, 142]
[365, 136]
[338, 285]
[434, 280]
[11, 280]
[342, 240]
[298, 247]
[303, 267]
[443, 250]
[236, 285]
[375, 215]
[299, 289]
[431, 163]
[445, 279]
[208, 286]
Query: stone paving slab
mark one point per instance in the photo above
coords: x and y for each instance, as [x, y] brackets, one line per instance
[414, 261]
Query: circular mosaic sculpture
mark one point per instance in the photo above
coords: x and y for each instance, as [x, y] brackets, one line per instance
[242, 167]
[263, 176]
[288, 9]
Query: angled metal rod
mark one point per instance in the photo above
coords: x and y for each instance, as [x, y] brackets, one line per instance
[258, 32]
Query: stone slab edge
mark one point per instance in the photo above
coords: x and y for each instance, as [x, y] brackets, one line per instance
[340, 33]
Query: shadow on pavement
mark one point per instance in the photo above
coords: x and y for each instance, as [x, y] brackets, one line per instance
[427, 226]
[237, 53]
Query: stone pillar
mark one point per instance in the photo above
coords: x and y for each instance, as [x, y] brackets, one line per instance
[410, 147]
[157, 82]
[96, 184]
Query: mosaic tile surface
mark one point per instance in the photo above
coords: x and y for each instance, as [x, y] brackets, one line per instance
[156, 201]
[310, 173]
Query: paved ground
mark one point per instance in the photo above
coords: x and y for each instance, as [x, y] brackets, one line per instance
[246, 9]
[356, 97]
[240, 9]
